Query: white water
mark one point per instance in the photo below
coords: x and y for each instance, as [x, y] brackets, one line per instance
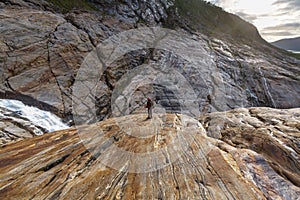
[41, 118]
[266, 86]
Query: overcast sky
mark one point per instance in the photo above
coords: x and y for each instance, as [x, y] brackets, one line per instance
[275, 19]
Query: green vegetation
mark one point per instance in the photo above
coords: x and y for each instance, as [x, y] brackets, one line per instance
[210, 19]
[295, 55]
[288, 53]
[67, 5]
[197, 10]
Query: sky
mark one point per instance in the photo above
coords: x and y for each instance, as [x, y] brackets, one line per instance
[274, 19]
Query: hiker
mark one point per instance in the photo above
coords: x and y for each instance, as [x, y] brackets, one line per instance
[149, 105]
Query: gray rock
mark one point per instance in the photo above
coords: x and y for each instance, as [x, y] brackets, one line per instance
[14, 127]
[41, 52]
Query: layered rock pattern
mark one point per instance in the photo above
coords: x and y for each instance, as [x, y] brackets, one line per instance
[270, 132]
[240, 154]
[42, 50]
[69, 165]
[39, 52]
[15, 128]
[18, 121]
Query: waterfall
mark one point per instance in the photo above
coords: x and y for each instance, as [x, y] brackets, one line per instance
[266, 87]
[41, 118]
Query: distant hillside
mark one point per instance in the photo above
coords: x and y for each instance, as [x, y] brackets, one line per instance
[288, 44]
[212, 20]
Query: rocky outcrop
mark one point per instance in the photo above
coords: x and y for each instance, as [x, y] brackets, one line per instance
[255, 156]
[40, 52]
[15, 128]
[18, 121]
[42, 49]
[270, 132]
[239, 154]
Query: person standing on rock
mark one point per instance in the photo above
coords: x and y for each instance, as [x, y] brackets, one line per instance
[149, 105]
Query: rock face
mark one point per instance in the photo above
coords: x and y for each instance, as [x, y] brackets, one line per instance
[254, 155]
[239, 154]
[270, 132]
[18, 121]
[41, 51]
[14, 127]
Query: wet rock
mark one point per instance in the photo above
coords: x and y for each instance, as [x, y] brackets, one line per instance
[19, 121]
[14, 127]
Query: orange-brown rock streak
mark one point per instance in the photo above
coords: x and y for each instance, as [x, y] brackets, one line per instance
[61, 165]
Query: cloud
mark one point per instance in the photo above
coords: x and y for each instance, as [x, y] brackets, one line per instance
[286, 27]
[277, 33]
[275, 19]
[288, 5]
[281, 31]
[289, 2]
[218, 2]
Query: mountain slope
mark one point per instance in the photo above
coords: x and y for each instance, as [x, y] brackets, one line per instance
[288, 44]
[213, 21]
[67, 165]
[239, 154]
[43, 49]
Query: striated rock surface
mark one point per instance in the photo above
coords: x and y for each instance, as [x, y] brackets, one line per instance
[18, 121]
[15, 128]
[252, 154]
[41, 50]
[273, 133]
[240, 154]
